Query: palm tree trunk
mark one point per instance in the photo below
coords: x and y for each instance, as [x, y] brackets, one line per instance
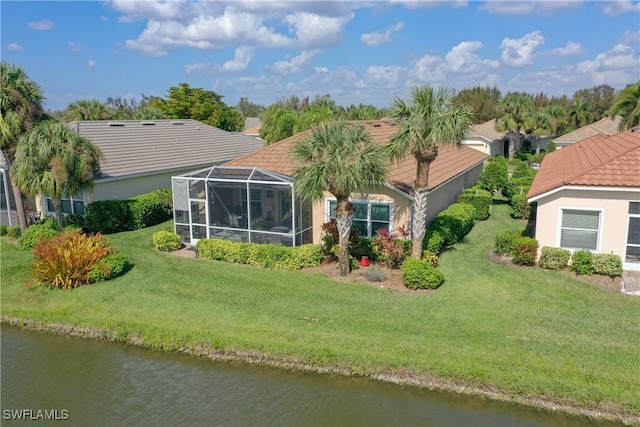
[512, 145]
[344, 219]
[17, 195]
[537, 145]
[419, 223]
[57, 204]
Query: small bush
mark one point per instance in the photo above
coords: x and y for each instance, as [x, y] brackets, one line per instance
[14, 231]
[75, 220]
[504, 241]
[430, 257]
[112, 266]
[524, 251]
[109, 216]
[450, 225]
[582, 263]
[521, 170]
[151, 208]
[166, 241]
[433, 241]
[65, 261]
[479, 198]
[3, 230]
[551, 147]
[374, 275]
[330, 237]
[554, 258]
[37, 232]
[267, 256]
[417, 274]
[607, 265]
[388, 249]
[305, 256]
[494, 174]
[521, 206]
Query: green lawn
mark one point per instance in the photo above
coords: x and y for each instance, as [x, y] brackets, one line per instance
[523, 332]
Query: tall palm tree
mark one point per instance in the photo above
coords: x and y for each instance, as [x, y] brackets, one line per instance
[557, 118]
[20, 109]
[538, 124]
[513, 110]
[55, 161]
[429, 120]
[580, 113]
[627, 105]
[341, 159]
[86, 109]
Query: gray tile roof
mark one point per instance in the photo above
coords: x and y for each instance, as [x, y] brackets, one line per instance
[142, 147]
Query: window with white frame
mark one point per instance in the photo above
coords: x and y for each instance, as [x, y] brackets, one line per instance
[580, 229]
[70, 205]
[368, 216]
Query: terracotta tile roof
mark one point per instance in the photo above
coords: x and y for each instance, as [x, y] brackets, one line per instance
[487, 130]
[606, 126]
[451, 160]
[602, 161]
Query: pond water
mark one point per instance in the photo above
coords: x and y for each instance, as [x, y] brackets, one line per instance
[95, 383]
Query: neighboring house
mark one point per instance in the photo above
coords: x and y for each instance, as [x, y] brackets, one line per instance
[252, 126]
[140, 156]
[588, 197]
[607, 126]
[252, 198]
[485, 138]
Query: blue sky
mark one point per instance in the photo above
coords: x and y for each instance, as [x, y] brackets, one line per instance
[356, 51]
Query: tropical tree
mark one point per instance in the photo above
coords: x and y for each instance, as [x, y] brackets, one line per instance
[86, 109]
[341, 159]
[538, 124]
[600, 97]
[20, 110]
[55, 161]
[278, 123]
[557, 118]
[426, 122]
[483, 101]
[513, 110]
[580, 113]
[627, 105]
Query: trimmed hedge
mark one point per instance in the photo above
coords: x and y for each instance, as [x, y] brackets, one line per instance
[521, 206]
[554, 258]
[517, 186]
[495, 174]
[504, 241]
[582, 263]
[479, 198]
[166, 241]
[525, 251]
[151, 208]
[449, 227]
[261, 255]
[418, 274]
[607, 265]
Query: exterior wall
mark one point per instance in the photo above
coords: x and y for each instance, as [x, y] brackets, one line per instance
[479, 144]
[446, 194]
[613, 204]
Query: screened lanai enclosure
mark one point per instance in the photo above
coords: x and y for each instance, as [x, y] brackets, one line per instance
[240, 204]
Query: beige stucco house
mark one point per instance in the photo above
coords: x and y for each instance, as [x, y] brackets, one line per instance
[606, 126]
[588, 197]
[252, 198]
[485, 138]
[140, 156]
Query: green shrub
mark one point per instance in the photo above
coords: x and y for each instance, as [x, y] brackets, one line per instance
[215, 249]
[112, 266]
[3, 230]
[551, 147]
[554, 258]
[582, 263]
[480, 199]
[363, 246]
[44, 229]
[65, 260]
[521, 170]
[494, 174]
[109, 216]
[14, 231]
[417, 274]
[76, 220]
[452, 224]
[504, 241]
[305, 256]
[267, 256]
[151, 208]
[524, 251]
[433, 241]
[430, 257]
[166, 241]
[517, 186]
[330, 238]
[521, 206]
[374, 275]
[388, 249]
[607, 265]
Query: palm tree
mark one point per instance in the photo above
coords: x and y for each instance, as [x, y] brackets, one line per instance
[580, 113]
[513, 110]
[538, 124]
[341, 159]
[424, 124]
[55, 161]
[557, 118]
[627, 105]
[86, 109]
[20, 109]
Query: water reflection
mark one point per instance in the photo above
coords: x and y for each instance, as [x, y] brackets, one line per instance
[102, 383]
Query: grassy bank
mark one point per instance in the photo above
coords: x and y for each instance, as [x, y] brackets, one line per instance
[524, 334]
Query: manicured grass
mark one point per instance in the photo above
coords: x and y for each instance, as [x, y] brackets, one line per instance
[524, 332]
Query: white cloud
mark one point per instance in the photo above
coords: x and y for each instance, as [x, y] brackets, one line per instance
[295, 65]
[386, 77]
[314, 31]
[321, 70]
[14, 47]
[240, 61]
[41, 25]
[376, 38]
[91, 64]
[463, 59]
[571, 49]
[520, 52]
[528, 7]
[619, 7]
[631, 38]
[74, 47]
[430, 69]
